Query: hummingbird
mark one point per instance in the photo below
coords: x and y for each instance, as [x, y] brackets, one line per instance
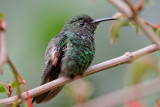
[69, 53]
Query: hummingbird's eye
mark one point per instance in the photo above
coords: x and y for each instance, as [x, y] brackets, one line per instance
[81, 23]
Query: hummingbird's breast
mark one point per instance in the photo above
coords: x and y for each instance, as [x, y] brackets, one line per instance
[79, 54]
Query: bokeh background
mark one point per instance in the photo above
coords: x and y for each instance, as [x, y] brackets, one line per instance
[31, 25]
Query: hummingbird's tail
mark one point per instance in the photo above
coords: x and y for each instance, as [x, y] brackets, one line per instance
[50, 73]
[45, 97]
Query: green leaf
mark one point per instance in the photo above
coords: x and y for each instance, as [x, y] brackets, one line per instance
[1, 15]
[148, 3]
[141, 68]
[116, 26]
[3, 88]
[138, 72]
[25, 104]
[15, 104]
[154, 29]
[158, 32]
[15, 84]
[135, 27]
[137, 30]
[3, 84]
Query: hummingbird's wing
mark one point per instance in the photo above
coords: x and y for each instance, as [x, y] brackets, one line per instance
[52, 62]
[52, 70]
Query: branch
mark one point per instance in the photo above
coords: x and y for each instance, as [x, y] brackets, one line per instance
[126, 58]
[125, 95]
[129, 11]
[154, 26]
[124, 8]
[139, 5]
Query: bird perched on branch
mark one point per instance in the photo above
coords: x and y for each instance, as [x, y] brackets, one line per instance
[69, 53]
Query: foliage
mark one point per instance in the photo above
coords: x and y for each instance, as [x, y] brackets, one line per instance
[142, 67]
[1, 15]
[8, 87]
[118, 24]
[3, 87]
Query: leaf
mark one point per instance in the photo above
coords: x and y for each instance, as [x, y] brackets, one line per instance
[148, 3]
[137, 30]
[158, 32]
[135, 27]
[1, 15]
[15, 84]
[15, 104]
[142, 67]
[139, 70]
[3, 88]
[3, 84]
[115, 28]
[25, 104]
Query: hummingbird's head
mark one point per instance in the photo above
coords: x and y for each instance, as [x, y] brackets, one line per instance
[82, 23]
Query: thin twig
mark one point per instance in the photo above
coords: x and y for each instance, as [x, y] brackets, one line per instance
[126, 58]
[154, 26]
[16, 78]
[124, 95]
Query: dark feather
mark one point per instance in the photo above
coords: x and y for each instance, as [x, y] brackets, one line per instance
[51, 73]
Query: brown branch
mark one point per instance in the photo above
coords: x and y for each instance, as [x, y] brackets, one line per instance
[131, 7]
[126, 58]
[128, 11]
[139, 5]
[124, 8]
[124, 95]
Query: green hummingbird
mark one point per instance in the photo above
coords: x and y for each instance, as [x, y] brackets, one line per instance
[70, 52]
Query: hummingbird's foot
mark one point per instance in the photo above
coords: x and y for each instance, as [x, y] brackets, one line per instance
[75, 76]
[72, 76]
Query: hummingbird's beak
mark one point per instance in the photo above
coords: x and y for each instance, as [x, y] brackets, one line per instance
[104, 19]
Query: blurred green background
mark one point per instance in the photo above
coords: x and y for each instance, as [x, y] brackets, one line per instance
[32, 23]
